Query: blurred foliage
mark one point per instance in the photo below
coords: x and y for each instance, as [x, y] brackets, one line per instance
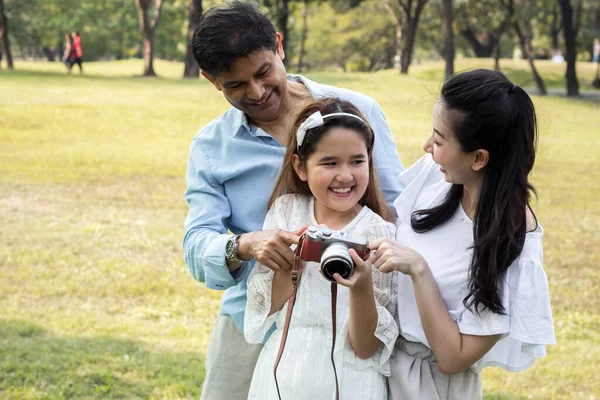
[342, 34]
[359, 39]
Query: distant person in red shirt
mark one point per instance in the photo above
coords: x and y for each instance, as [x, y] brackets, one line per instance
[77, 50]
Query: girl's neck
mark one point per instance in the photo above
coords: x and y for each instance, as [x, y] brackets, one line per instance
[335, 219]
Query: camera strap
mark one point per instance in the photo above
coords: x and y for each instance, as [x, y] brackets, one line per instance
[296, 274]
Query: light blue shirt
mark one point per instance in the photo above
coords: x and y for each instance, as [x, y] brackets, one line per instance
[231, 172]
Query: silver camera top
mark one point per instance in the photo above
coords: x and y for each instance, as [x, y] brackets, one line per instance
[325, 235]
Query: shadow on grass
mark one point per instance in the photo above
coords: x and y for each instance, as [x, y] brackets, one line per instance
[32, 74]
[555, 82]
[502, 396]
[35, 364]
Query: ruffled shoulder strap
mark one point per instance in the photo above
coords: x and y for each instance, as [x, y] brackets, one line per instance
[528, 325]
[423, 174]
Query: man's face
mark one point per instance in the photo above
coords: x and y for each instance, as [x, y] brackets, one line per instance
[256, 84]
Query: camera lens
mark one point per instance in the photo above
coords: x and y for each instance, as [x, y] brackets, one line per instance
[335, 259]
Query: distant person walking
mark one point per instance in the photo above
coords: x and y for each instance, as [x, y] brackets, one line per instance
[596, 52]
[68, 54]
[77, 51]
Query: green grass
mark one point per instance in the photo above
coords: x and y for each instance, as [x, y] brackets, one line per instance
[95, 299]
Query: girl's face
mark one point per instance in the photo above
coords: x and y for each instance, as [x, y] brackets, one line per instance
[337, 174]
[456, 165]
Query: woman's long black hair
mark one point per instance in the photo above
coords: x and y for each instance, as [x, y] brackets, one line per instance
[490, 112]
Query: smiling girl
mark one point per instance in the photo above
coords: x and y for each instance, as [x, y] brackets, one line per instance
[327, 179]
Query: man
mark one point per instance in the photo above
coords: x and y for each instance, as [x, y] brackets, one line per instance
[233, 164]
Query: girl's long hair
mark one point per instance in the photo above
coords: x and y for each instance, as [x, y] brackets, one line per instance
[490, 112]
[289, 182]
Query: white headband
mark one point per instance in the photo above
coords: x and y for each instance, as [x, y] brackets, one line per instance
[316, 120]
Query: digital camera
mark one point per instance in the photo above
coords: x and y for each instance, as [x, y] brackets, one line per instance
[330, 248]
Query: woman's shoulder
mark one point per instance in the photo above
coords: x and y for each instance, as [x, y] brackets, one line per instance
[425, 188]
[531, 220]
[424, 166]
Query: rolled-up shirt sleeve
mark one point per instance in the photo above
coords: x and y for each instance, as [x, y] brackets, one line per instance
[386, 159]
[205, 231]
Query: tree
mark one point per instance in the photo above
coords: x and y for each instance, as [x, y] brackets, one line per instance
[482, 24]
[282, 25]
[448, 38]
[555, 25]
[596, 82]
[406, 14]
[360, 38]
[303, 35]
[521, 23]
[570, 29]
[191, 69]
[148, 32]
[4, 41]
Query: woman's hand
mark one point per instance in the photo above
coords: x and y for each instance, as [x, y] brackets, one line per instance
[390, 256]
[361, 279]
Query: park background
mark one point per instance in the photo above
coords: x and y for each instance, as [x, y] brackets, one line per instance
[95, 299]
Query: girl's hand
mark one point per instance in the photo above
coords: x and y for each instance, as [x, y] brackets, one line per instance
[361, 279]
[390, 256]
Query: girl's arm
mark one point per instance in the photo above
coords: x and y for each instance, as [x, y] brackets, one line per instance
[453, 350]
[363, 312]
[281, 289]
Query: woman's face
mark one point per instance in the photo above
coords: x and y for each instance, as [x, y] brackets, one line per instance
[456, 164]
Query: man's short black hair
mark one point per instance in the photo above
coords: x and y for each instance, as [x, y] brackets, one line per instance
[230, 31]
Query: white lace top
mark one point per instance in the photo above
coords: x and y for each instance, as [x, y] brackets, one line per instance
[527, 325]
[305, 369]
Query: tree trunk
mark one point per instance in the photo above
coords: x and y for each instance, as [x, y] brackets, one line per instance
[496, 45]
[597, 30]
[526, 48]
[148, 32]
[570, 35]
[303, 35]
[407, 50]
[481, 50]
[497, 57]
[398, 44]
[525, 41]
[4, 42]
[191, 69]
[282, 25]
[448, 39]
[411, 33]
[597, 18]
[554, 28]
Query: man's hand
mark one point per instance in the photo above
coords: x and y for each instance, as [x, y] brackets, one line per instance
[270, 248]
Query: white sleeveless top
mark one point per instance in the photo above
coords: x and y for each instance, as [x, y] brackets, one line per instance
[527, 325]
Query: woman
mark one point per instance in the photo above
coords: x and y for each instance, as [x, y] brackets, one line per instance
[472, 291]
[68, 53]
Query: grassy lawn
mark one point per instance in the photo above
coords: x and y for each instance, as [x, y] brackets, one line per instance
[95, 299]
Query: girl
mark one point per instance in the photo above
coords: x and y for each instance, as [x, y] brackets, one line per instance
[472, 292]
[328, 179]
